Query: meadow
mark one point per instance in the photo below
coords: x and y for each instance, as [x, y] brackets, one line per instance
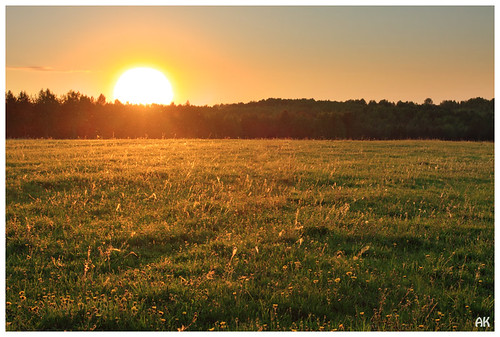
[254, 235]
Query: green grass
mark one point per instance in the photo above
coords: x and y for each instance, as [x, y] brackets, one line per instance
[248, 235]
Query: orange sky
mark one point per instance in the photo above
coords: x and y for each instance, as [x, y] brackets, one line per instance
[239, 54]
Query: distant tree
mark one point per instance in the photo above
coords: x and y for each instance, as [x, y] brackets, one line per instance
[10, 98]
[23, 98]
[428, 101]
[47, 113]
[101, 100]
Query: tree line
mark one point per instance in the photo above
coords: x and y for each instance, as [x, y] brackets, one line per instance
[75, 115]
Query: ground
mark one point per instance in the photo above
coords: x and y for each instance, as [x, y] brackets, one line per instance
[249, 235]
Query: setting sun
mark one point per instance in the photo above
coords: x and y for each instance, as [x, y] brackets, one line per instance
[143, 86]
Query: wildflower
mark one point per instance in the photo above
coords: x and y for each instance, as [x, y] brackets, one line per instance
[275, 306]
[160, 312]
[349, 273]
[153, 307]
[8, 303]
[337, 280]
[362, 313]
[341, 326]
[315, 281]
[211, 329]
[421, 326]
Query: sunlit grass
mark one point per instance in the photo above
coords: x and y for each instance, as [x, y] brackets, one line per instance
[248, 235]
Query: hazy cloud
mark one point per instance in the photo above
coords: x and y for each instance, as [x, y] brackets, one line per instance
[49, 69]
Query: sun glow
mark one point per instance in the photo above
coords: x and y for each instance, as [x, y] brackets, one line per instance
[143, 86]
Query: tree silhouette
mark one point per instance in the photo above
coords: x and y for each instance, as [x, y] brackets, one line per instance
[78, 116]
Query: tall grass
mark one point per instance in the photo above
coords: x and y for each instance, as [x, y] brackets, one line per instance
[248, 235]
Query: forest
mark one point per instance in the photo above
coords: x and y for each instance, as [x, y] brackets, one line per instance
[75, 115]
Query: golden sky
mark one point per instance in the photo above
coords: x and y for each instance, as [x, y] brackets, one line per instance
[217, 55]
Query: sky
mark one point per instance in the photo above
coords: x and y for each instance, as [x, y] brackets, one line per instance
[215, 55]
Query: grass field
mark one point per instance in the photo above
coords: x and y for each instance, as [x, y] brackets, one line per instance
[249, 235]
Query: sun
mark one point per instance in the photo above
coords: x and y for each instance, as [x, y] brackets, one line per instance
[143, 86]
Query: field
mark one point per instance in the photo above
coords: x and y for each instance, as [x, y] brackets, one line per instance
[249, 235]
